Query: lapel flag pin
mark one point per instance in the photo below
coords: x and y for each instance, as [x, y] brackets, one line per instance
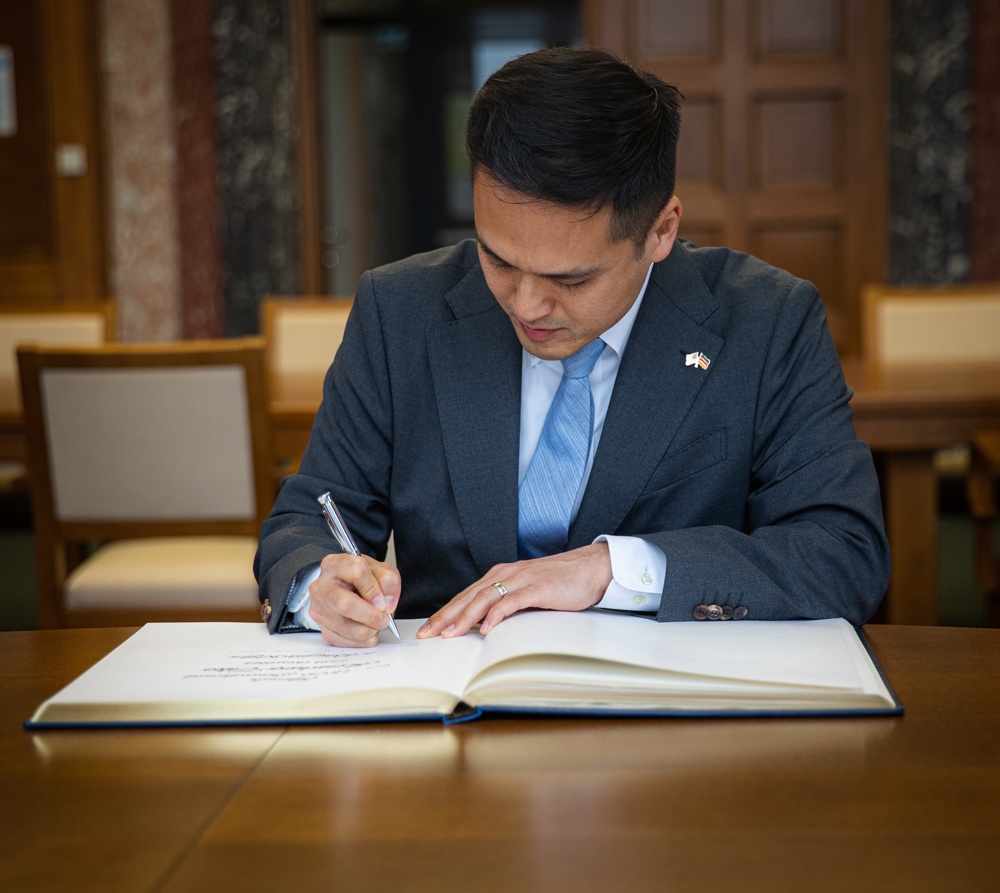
[697, 358]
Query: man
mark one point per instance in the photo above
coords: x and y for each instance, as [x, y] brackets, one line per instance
[709, 466]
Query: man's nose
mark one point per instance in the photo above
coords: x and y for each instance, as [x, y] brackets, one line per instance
[531, 299]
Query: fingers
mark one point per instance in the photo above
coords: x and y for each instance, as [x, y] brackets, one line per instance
[508, 604]
[471, 606]
[352, 598]
[570, 581]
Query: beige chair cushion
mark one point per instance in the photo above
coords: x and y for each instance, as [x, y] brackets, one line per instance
[951, 329]
[306, 337]
[149, 444]
[169, 572]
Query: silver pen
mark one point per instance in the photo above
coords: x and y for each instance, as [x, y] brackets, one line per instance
[343, 536]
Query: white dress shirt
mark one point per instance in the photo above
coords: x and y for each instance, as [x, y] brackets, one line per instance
[638, 568]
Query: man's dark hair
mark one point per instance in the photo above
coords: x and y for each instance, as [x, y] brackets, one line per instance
[582, 128]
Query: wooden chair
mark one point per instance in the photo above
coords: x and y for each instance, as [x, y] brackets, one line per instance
[151, 475]
[302, 335]
[932, 324]
[941, 325]
[27, 324]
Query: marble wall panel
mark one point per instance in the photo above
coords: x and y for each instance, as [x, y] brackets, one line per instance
[140, 168]
[929, 132]
[198, 218]
[255, 111]
[985, 142]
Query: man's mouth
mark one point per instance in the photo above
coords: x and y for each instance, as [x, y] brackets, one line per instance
[536, 334]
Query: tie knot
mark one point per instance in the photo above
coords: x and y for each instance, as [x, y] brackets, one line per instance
[581, 364]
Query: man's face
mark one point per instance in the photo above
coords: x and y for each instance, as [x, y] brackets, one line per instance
[554, 270]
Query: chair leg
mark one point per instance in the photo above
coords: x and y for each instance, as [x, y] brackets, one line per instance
[984, 470]
[51, 574]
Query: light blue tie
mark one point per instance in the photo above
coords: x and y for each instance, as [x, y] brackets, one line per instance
[548, 491]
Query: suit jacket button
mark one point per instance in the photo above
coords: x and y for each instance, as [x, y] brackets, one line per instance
[265, 610]
[700, 612]
[739, 612]
[714, 612]
[727, 612]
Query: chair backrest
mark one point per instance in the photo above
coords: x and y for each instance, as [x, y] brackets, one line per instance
[932, 324]
[147, 439]
[302, 336]
[58, 325]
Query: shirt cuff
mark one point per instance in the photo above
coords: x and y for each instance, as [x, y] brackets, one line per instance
[298, 602]
[638, 570]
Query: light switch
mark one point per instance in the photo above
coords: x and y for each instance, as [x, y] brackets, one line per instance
[71, 160]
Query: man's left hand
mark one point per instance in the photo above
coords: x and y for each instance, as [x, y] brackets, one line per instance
[569, 581]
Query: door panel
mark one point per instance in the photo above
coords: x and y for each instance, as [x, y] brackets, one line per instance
[51, 214]
[782, 148]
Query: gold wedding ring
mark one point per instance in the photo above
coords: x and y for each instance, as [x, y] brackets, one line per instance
[499, 587]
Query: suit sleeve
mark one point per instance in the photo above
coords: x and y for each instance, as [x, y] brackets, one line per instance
[812, 542]
[349, 454]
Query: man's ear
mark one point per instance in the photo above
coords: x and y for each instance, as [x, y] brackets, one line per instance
[661, 237]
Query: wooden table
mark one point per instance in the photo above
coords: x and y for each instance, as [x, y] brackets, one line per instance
[906, 414]
[892, 803]
[294, 402]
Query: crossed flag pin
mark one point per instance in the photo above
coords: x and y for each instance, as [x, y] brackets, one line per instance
[697, 358]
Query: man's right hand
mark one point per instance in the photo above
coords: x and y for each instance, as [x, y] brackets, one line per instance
[352, 598]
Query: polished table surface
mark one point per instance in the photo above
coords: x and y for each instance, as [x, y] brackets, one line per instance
[922, 406]
[906, 803]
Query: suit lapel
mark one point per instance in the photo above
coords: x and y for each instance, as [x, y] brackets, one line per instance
[476, 367]
[653, 393]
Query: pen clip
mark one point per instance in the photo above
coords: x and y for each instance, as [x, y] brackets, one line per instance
[337, 526]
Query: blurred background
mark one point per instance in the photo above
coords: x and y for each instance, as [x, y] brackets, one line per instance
[188, 158]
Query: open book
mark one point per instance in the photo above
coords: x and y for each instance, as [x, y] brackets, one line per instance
[590, 662]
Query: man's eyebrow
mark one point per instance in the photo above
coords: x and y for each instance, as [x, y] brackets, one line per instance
[488, 250]
[579, 273]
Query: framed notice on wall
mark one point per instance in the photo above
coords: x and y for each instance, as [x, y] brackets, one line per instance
[8, 104]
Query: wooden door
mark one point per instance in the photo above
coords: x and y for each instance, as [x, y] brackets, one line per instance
[783, 135]
[51, 209]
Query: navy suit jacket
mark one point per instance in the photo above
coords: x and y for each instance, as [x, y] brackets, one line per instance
[747, 474]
